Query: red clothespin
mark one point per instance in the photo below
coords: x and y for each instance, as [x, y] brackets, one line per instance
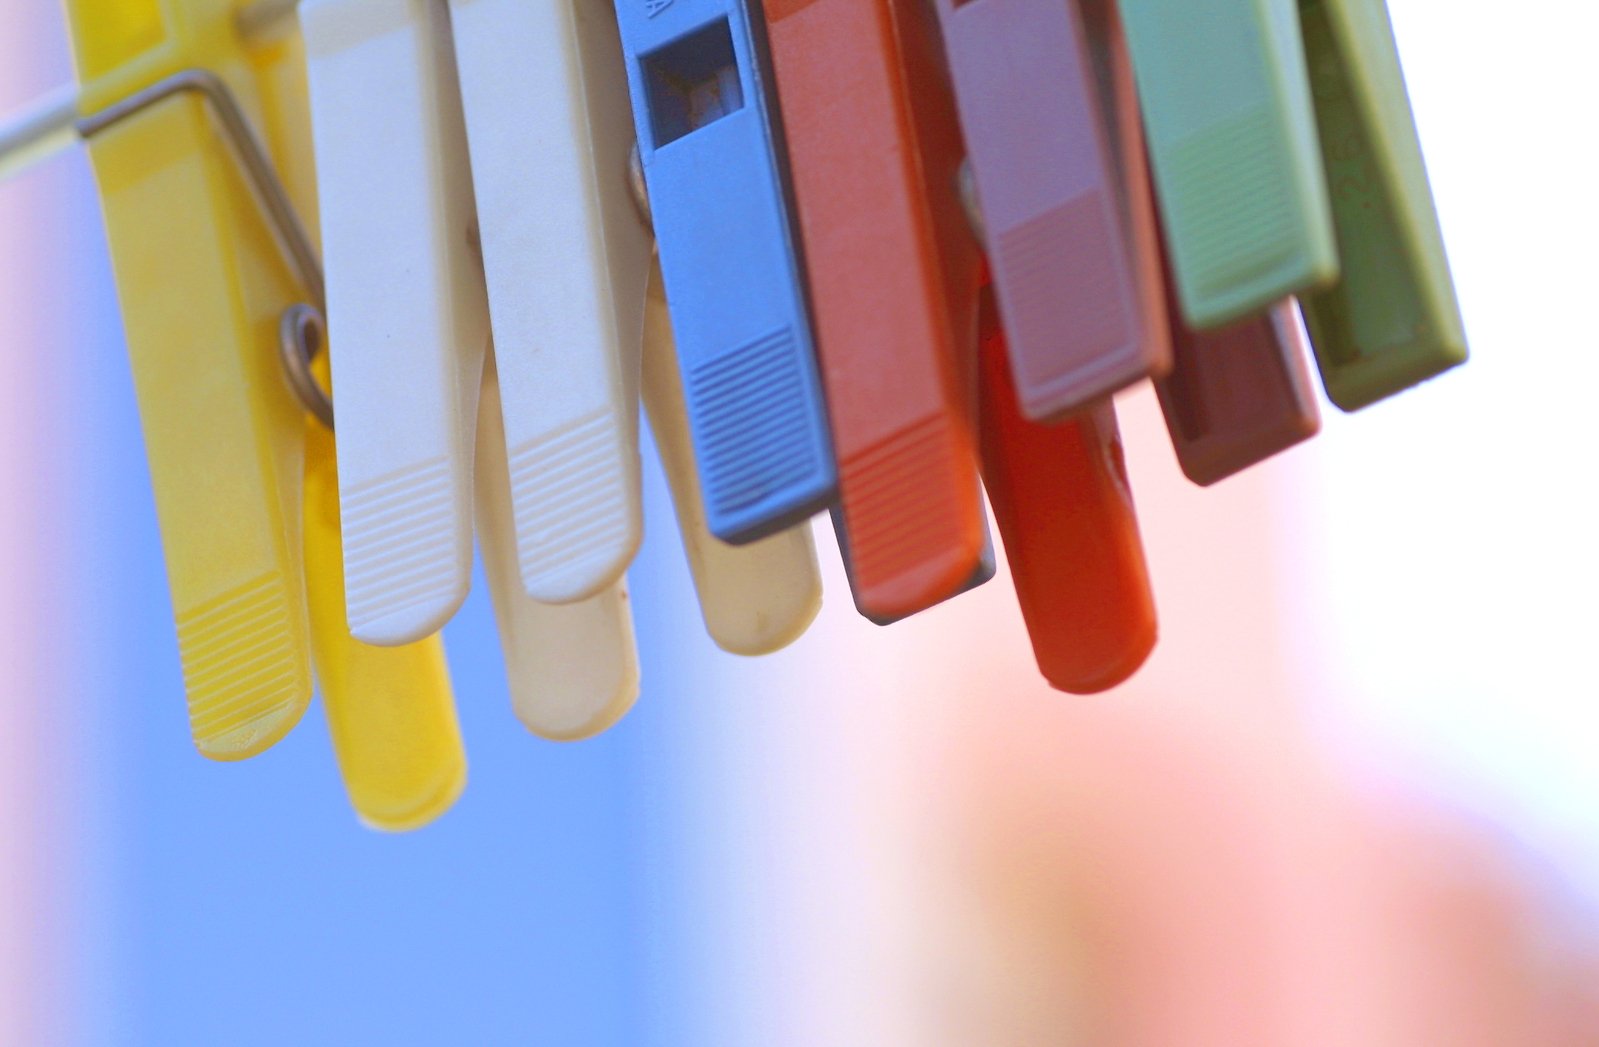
[1066, 517]
[875, 149]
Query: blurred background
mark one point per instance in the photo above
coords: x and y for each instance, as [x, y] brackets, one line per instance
[1353, 799]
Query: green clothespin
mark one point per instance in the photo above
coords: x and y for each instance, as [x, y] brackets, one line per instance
[1232, 136]
[1391, 320]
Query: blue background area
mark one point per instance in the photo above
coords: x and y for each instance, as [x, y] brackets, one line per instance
[242, 904]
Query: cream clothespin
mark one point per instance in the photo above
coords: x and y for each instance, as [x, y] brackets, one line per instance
[550, 126]
[407, 309]
[755, 598]
[573, 668]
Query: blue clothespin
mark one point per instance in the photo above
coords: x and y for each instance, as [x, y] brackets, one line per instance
[708, 149]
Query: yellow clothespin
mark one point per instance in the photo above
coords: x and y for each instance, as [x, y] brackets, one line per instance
[391, 710]
[210, 258]
[202, 285]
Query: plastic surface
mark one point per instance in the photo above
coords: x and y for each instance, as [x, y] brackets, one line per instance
[566, 256]
[1065, 514]
[706, 140]
[572, 668]
[1236, 395]
[875, 150]
[201, 285]
[390, 710]
[755, 598]
[1233, 142]
[1045, 179]
[407, 310]
[1392, 319]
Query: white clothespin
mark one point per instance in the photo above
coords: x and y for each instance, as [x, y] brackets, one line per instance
[566, 256]
[407, 309]
[572, 668]
[755, 598]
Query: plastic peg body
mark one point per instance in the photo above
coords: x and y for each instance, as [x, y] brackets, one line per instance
[1065, 513]
[755, 598]
[391, 710]
[572, 668]
[566, 257]
[1045, 180]
[202, 284]
[1392, 319]
[708, 144]
[407, 309]
[1232, 138]
[875, 148]
[1236, 395]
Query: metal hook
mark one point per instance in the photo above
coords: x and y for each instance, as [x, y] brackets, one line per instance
[302, 329]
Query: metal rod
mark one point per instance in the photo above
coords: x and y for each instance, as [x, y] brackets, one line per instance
[249, 151]
[38, 132]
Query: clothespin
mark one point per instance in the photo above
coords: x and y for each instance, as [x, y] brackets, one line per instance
[390, 710]
[1064, 274]
[572, 668]
[755, 598]
[1392, 319]
[1232, 140]
[874, 146]
[708, 150]
[407, 308]
[169, 95]
[1065, 513]
[1236, 395]
[567, 258]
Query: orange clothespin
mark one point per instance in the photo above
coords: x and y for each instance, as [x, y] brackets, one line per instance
[1066, 517]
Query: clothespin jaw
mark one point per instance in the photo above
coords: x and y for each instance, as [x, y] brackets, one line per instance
[1232, 140]
[202, 284]
[875, 148]
[1392, 319]
[572, 668]
[549, 123]
[756, 598]
[390, 710]
[709, 153]
[1065, 513]
[407, 308]
[1064, 274]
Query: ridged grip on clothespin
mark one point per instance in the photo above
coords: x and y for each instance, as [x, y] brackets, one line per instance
[1064, 274]
[755, 598]
[407, 309]
[1232, 140]
[390, 710]
[550, 127]
[202, 283]
[708, 146]
[874, 147]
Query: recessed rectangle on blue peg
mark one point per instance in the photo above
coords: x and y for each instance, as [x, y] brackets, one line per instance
[712, 161]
